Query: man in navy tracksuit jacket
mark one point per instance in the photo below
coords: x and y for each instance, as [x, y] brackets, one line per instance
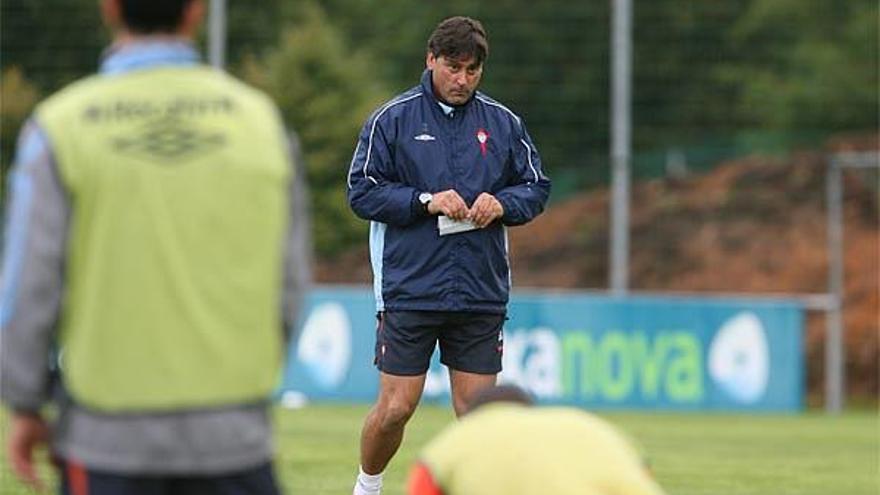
[441, 149]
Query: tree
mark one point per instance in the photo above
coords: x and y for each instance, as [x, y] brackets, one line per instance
[52, 41]
[813, 64]
[19, 97]
[325, 94]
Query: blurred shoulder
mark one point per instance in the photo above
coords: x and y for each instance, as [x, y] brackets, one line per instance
[73, 91]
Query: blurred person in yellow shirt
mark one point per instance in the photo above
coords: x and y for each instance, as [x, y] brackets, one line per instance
[503, 446]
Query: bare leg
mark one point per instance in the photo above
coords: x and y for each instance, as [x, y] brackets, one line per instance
[465, 385]
[384, 425]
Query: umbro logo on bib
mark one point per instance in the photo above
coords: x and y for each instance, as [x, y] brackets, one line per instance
[169, 141]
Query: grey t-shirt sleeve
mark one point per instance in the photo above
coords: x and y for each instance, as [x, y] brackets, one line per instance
[32, 279]
[298, 245]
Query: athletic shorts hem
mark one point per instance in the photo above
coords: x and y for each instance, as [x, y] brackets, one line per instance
[402, 372]
[467, 369]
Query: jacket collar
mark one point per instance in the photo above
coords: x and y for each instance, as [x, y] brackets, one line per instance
[428, 90]
[136, 55]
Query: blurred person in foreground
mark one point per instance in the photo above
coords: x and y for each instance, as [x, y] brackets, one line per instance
[503, 446]
[441, 171]
[147, 233]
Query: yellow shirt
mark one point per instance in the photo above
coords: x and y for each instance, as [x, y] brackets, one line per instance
[508, 449]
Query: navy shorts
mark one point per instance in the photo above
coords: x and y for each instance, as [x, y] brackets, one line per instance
[79, 480]
[469, 342]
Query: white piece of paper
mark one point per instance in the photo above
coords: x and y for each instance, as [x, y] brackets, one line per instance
[446, 225]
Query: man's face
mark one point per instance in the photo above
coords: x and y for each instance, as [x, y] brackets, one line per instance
[454, 80]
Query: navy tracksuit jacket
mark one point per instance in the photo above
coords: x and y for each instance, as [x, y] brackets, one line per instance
[409, 146]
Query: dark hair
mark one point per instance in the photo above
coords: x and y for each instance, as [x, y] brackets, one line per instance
[459, 38]
[500, 393]
[152, 16]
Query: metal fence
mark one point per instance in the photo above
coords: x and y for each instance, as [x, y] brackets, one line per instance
[561, 85]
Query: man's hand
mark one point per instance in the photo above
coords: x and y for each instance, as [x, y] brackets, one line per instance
[485, 210]
[27, 432]
[448, 203]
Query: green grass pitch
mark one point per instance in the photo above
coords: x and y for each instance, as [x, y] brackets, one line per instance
[691, 454]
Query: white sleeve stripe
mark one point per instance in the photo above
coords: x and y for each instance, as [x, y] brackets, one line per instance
[353, 158]
[529, 154]
[496, 104]
[373, 130]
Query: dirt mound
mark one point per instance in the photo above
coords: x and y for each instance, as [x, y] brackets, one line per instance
[755, 225]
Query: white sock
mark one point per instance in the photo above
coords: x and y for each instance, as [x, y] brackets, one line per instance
[368, 484]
